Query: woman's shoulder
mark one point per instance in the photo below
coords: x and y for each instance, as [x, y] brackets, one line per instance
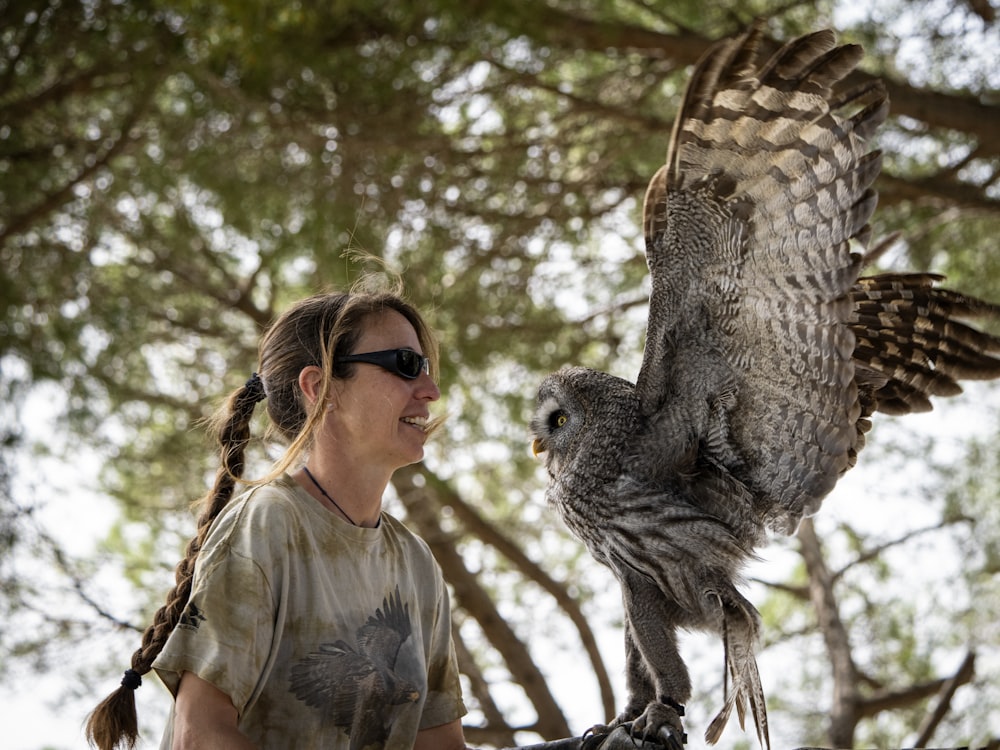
[414, 546]
[270, 506]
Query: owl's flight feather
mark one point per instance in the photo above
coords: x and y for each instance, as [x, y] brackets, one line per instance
[766, 355]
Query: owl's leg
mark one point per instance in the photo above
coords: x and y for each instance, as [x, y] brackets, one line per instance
[637, 679]
[656, 694]
[644, 714]
[637, 683]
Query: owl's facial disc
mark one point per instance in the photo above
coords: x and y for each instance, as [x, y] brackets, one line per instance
[556, 419]
[549, 417]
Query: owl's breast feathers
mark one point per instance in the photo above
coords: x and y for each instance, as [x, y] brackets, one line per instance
[669, 514]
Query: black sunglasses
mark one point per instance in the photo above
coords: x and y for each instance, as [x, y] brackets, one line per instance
[403, 362]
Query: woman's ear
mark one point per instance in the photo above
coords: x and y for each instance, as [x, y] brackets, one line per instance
[311, 382]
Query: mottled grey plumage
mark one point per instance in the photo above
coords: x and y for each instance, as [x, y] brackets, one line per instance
[765, 356]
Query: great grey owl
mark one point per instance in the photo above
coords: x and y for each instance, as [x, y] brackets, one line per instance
[765, 356]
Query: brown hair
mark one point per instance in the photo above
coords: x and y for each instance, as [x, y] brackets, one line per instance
[315, 331]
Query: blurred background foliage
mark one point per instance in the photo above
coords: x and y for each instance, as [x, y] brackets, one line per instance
[172, 174]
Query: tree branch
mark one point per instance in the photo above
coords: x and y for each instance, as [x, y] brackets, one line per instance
[959, 112]
[496, 732]
[796, 592]
[423, 504]
[876, 551]
[930, 723]
[486, 532]
[844, 711]
[53, 200]
[77, 583]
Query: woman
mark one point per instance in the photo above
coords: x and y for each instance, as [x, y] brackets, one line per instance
[303, 615]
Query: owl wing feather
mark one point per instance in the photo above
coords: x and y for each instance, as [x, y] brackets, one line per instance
[751, 227]
[911, 333]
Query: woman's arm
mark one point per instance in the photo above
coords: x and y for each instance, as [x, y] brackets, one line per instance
[204, 717]
[445, 737]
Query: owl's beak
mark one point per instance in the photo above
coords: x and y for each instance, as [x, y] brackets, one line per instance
[537, 446]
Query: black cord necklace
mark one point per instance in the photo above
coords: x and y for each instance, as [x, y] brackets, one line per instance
[327, 496]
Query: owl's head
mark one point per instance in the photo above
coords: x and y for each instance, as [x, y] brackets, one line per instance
[582, 413]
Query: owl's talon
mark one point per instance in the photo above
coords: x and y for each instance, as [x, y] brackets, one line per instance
[668, 701]
[671, 738]
[593, 738]
[661, 724]
[599, 735]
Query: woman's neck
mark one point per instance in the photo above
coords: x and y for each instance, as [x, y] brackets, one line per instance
[353, 497]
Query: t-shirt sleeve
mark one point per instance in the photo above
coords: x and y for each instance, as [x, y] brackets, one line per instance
[226, 630]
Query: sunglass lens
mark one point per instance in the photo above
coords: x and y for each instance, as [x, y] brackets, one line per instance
[409, 363]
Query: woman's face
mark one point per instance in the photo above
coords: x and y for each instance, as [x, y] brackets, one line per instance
[376, 415]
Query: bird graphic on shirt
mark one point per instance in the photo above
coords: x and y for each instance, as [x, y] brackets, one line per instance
[357, 686]
[192, 616]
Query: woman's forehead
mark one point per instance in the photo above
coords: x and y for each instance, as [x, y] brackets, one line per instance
[388, 330]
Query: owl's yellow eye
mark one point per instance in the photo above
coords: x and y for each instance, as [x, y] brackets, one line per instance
[557, 419]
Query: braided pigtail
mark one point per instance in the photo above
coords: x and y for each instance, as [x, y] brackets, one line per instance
[113, 723]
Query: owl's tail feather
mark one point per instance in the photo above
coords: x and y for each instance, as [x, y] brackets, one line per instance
[739, 636]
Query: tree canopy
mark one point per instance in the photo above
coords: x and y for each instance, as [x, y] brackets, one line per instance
[172, 174]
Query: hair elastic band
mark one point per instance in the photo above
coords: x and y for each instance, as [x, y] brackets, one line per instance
[255, 388]
[132, 679]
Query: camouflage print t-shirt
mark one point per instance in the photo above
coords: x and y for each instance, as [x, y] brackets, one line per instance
[325, 635]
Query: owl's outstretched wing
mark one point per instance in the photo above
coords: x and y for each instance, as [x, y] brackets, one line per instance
[752, 227]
